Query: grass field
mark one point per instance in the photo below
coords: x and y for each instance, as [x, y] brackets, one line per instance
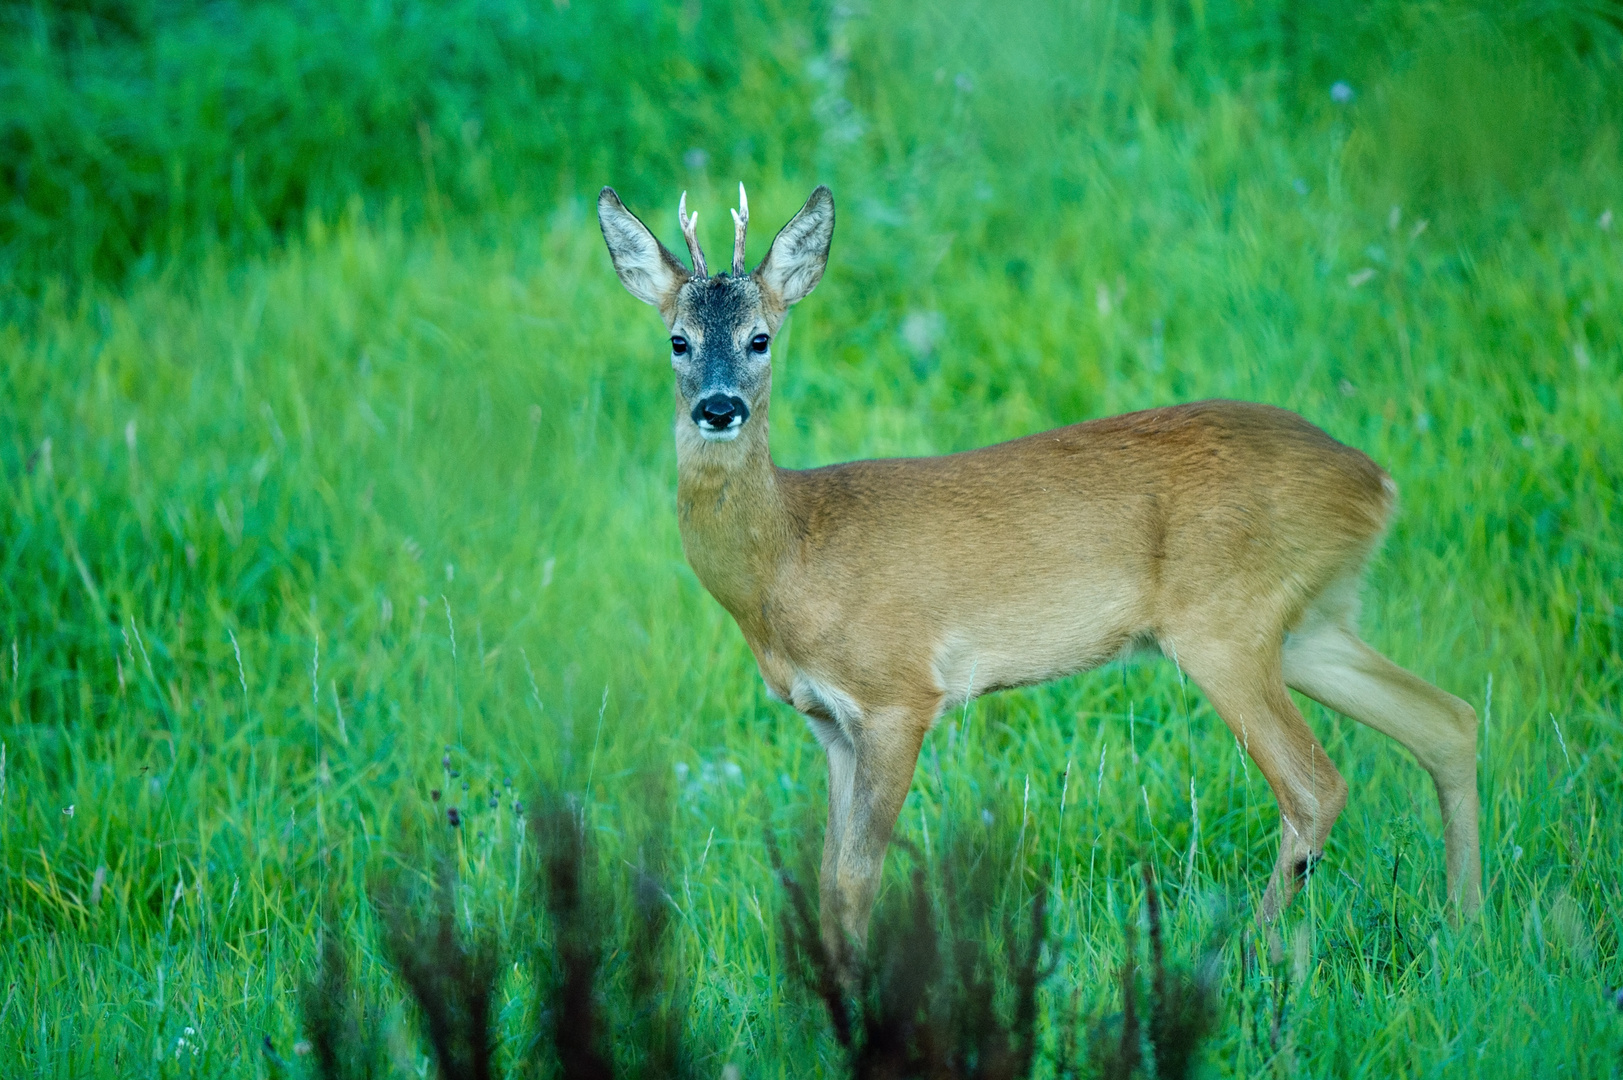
[338, 468]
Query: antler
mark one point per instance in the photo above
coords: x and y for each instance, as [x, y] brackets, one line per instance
[688, 222]
[741, 221]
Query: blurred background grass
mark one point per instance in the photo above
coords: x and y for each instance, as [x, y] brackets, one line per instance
[332, 447]
[137, 132]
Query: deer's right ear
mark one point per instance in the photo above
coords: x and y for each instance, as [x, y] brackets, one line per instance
[647, 270]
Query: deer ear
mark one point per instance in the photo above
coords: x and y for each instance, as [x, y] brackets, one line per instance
[647, 270]
[794, 265]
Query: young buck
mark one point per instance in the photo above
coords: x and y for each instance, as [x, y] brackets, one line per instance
[876, 595]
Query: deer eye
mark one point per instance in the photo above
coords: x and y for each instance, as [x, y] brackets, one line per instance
[759, 342]
[679, 345]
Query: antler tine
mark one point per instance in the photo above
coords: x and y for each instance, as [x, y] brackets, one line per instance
[688, 222]
[741, 221]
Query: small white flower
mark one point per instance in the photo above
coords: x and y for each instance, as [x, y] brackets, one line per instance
[1341, 92]
[188, 1041]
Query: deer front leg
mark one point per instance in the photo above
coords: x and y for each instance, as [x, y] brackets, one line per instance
[841, 772]
[870, 771]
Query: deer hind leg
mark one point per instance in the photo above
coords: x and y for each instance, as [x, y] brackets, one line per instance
[1326, 661]
[1248, 690]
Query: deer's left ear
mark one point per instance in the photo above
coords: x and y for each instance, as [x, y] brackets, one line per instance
[794, 265]
[647, 270]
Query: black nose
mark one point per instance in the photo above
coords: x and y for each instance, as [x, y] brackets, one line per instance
[718, 411]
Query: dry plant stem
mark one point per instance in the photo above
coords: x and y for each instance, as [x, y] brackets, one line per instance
[576, 1034]
[922, 1002]
[804, 943]
[453, 984]
[1130, 1051]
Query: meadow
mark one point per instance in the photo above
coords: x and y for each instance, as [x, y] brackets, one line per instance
[339, 489]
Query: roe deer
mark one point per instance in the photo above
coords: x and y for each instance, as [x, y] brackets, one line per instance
[875, 595]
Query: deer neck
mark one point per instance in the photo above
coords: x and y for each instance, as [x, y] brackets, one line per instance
[730, 507]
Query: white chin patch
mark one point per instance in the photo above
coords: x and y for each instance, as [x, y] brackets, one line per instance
[726, 434]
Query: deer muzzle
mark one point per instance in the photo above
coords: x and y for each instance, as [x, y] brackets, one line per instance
[719, 416]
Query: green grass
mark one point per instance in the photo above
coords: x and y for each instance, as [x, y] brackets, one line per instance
[403, 440]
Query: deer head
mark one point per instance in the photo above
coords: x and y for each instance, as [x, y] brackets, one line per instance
[721, 326]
